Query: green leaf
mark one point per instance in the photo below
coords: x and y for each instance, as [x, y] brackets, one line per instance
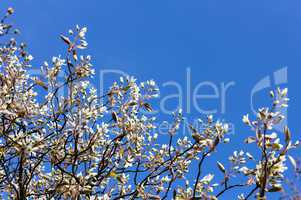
[126, 88]
[42, 84]
[133, 103]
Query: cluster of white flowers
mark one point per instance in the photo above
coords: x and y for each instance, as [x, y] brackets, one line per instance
[266, 171]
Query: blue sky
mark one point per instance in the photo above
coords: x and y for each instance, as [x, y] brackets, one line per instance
[220, 41]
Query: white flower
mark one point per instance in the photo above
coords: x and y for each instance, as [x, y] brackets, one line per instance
[210, 118]
[226, 127]
[82, 32]
[246, 120]
[226, 140]
[207, 179]
[29, 57]
[284, 92]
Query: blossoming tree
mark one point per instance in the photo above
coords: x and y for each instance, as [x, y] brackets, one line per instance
[84, 146]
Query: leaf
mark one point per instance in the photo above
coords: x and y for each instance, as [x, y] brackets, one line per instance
[293, 161]
[276, 146]
[81, 47]
[193, 129]
[65, 39]
[133, 103]
[221, 167]
[196, 137]
[120, 179]
[275, 188]
[41, 83]
[154, 197]
[272, 94]
[216, 142]
[112, 174]
[121, 152]
[250, 140]
[126, 88]
[287, 134]
[114, 116]
[284, 92]
[74, 55]
[262, 115]
[148, 107]
[249, 156]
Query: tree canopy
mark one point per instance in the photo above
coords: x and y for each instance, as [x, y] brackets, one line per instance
[60, 140]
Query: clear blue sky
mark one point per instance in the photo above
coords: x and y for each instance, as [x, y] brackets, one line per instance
[221, 41]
